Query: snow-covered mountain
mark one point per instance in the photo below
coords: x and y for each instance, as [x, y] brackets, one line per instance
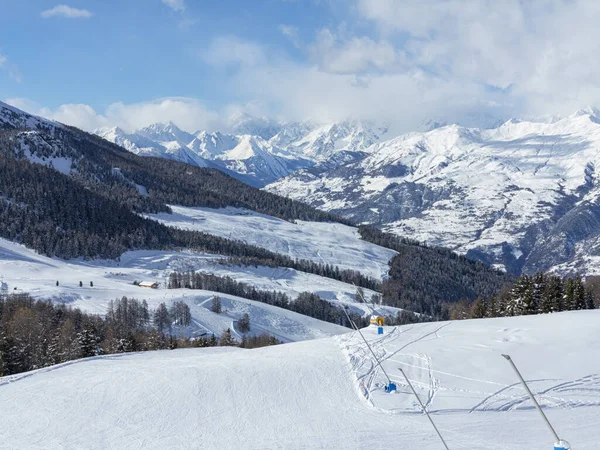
[523, 196]
[320, 143]
[258, 151]
[248, 157]
[141, 143]
[11, 117]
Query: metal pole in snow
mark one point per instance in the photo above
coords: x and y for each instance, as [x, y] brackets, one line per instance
[424, 410]
[405, 377]
[372, 352]
[370, 306]
[537, 405]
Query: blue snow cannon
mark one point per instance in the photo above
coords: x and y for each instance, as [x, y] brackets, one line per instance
[390, 388]
[379, 330]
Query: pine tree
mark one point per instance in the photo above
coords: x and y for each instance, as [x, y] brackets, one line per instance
[492, 308]
[215, 305]
[539, 286]
[579, 295]
[88, 343]
[520, 300]
[569, 295]
[360, 295]
[552, 295]
[478, 309]
[161, 318]
[244, 323]
[227, 338]
[590, 301]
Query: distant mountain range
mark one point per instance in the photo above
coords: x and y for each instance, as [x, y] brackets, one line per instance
[257, 151]
[524, 196]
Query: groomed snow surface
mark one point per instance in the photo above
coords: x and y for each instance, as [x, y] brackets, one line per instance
[326, 243]
[26, 271]
[324, 394]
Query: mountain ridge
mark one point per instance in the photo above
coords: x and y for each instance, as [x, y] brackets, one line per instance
[500, 195]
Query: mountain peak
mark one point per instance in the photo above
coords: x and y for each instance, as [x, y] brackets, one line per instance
[244, 123]
[166, 132]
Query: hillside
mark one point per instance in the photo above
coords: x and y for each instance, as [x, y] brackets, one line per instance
[145, 184]
[59, 183]
[312, 394]
[521, 196]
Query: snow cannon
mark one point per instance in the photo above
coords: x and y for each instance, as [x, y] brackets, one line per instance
[379, 330]
[562, 445]
[390, 388]
[376, 320]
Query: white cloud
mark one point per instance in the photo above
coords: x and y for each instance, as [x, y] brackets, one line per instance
[541, 53]
[176, 5]
[291, 32]
[187, 113]
[67, 12]
[12, 69]
[429, 59]
[353, 56]
[228, 50]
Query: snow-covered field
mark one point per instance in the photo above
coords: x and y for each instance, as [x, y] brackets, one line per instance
[324, 393]
[327, 243]
[29, 272]
[26, 271]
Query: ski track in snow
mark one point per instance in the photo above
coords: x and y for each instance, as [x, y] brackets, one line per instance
[326, 393]
[432, 384]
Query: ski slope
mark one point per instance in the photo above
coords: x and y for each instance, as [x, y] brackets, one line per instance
[324, 394]
[327, 243]
[23, 270]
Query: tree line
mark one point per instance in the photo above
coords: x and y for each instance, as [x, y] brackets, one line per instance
[36, 333]
[426, 279]
[304, 265]
[56, 216]
[306, 303]
[533, 294]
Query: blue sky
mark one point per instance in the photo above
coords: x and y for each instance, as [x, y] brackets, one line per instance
[130, 50]
[196, 62]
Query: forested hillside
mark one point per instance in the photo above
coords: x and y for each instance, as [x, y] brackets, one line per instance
[423, 278]
[145, 184]
[67, 193]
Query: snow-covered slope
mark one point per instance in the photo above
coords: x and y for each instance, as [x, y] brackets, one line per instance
[11, 117]
[522, 196]
[322, 242]
[25, 271]
[311, 395]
